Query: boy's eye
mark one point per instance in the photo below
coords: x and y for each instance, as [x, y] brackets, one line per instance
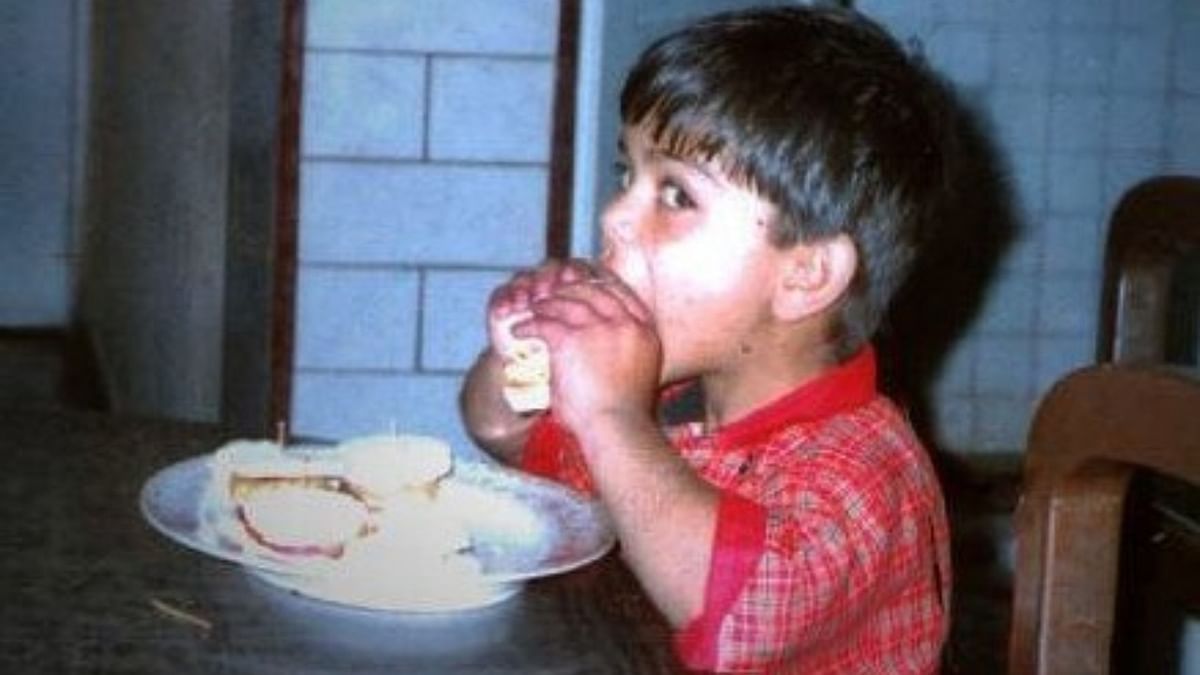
[674, 197]
[624, 175]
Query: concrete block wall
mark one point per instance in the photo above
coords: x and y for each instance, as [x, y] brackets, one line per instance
[43, 75]
[1084, 98]
[425, 150]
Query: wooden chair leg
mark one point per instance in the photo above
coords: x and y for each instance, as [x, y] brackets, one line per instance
[1067, 582]
[1030, 520]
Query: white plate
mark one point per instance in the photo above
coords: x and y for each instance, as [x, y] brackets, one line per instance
[520, 527]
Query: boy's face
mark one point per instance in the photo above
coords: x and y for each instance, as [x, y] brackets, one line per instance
[695, 247]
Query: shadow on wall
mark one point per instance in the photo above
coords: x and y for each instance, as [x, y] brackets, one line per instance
[943, 296]
[967, 239]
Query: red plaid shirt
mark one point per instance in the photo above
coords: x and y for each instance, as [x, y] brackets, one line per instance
[831, 552]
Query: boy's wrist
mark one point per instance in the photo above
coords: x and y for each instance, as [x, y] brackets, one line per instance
[617, 428]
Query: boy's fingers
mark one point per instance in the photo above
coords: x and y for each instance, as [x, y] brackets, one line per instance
[598, 296]
[570, 311]
[623, 293]
[575, 270]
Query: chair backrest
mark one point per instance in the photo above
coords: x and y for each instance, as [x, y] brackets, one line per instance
[1154, 228]
[1145, 416]
[1090, 432]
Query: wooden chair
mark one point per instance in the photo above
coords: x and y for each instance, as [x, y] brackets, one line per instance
[1091, 432]
[1154, 230]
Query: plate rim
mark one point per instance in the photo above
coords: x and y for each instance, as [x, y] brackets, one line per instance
[607, 539]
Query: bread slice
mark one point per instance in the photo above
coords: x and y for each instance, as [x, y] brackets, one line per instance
[382, 467]
[294, 519]
[317, 500]
[526, 385]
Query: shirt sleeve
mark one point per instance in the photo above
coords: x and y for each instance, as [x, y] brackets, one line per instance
[820, 561]
[552, 452]
[738, 545]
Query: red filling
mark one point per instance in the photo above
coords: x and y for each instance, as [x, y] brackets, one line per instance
[334, 550]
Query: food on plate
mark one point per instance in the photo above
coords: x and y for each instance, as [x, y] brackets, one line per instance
[526, 368]
[379, 468]
[243, 467]
[324, 501]
[298, 520]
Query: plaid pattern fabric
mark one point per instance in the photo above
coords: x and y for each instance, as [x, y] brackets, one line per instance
[832, 549]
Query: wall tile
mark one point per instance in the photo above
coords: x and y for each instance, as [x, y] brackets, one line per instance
[903, 19]
[1004, 365]
[422, 213]
[367, 105]
[1140, 62]
[1186, 72]
[967, 11]
[1137, 122]
[1146, 13]
[491, 110]
[1024, 252]
[1089, 14]
[1068, 306]
[1075, 184]
[335, 406]
[1024, 59]
[953, 423]
[455, 317]
[1029, 183]
[474, 26]
[1184, 133]
[40, 292]
[1008, 305]
[1057, 356]
[356, 318]
[1001, 424]
[1077, 121]
[1072, 244]
[1020, 118]
[957, 374]
[1025, 13]
[963, 53]
[1124, 170]
[1082, 60]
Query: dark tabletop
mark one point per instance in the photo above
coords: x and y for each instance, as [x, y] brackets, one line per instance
[87, 586]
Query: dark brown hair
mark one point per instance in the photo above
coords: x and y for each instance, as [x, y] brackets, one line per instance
[824, 114]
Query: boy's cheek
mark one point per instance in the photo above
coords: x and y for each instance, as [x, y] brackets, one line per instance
[635, 271]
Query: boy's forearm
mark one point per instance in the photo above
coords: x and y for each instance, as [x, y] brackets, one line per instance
[487, 416]
[665, 514]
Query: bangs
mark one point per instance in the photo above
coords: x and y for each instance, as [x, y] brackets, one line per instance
[694, 133]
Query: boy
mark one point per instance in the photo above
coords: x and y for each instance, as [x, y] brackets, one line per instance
[779, 168]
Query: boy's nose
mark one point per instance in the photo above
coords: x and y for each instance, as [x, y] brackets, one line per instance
[616, 222]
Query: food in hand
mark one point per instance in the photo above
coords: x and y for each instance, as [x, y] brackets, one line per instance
[526, 369]
[315, 501]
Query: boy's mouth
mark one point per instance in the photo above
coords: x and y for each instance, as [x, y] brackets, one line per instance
[633, 270]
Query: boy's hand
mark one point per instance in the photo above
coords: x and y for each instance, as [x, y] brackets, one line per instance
[605, 354]
[525, 287]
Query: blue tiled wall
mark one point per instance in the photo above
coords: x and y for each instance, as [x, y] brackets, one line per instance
[42, 75]
[1084, 98]
[423, 185]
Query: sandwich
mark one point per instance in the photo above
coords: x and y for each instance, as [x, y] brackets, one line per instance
[312, 501]
[526, 371]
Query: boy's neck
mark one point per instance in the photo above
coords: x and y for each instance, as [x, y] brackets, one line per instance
[767, 375]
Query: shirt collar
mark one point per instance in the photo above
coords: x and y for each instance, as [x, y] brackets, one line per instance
[848, 385]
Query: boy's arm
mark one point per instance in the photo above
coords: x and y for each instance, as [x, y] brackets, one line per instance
[489, 419]
[665, 514]
[605, 374]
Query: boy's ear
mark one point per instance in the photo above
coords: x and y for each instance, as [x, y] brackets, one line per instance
[814, 276]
